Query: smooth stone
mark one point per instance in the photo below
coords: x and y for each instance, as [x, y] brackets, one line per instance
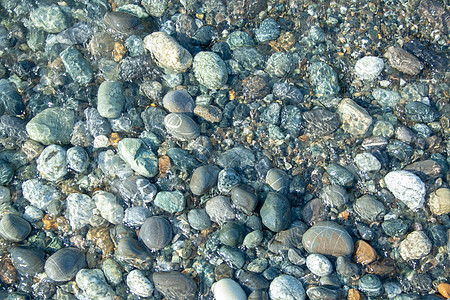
[227, 289]
[345, 268]
[244, 198]
[278, 180]
[406, 187]
[121, 22]
[178, 101]
[198, 219]
[366, 162]
[232, 256]
[267, 31]
[210, 70]
[427, 168]
[10, 100]
[49, 18]
[369, 67]
[139, 284]
[369, 209]
[77, 66]
[94, 285]
[6, 173]
[276, 212]
[52, 163]
[335, 196]
[133, 252]
[203, 179]
[40, 195]
[253, 239]
[437, 234]
[231, 234]
[364, 253]
[286, 287]
[182, 159]
[14, 228]
[258, 295]
[65, 264]
[227, 180]
[27, 261]
[394, 228]
[237, 39]
[156, 233]
[51, 126]
[237, 158]
[135, 216]
[110, 99]
[5, 194]
[289, 238]
[219, 209]
[77, 159]
[139, 156]
[327, 238]
[108, 206]
[355, 119]
[252, 281]
[386, 97]
[319, 265]
[175, 285]
[181, 126]
[415, 246]
[439, 201]
[321, 293]
[371, 285]
[339, 175]
[167, 52]
[79, 210]
[324, 79]
[171, 202]
[112, 271]
[403, 61]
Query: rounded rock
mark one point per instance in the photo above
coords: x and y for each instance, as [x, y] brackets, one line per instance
[112, 271]
[108, 206]
[52, 163]
[14, 228]
[198, 219]
[231, 234]
[276, 212]
[178, 101]
[210, 70]
[175, 285]
[371, 285]
[203, 179]
[366, 162]
[369, 209]
[407, 187]
[139, 284]
[171, 202]
[110, 99]
[219, 209]
[28, 262]
[439, 201]
[244, 198]
[181, 126]
[319, 265]
[94, 285]
[65, 264]
[286, 287]
[327, 238]
[227, 289]
[77, 159]
[227, 179]
[334, 196]
[53, 125]
[416, 245]
[369, 67]
[120, 21]
[278, 180]
[156, 233]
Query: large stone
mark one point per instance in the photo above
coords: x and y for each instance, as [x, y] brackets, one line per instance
[407, 188]
[79, 210]
[52, 163]
[355, 119]
[415, 246]
[139, 156]
[49, 18]
[369, 67]
[327, 238]
[52, 126]
[110, 99]
[276, 212]
[203, 179]
[286, 287]
[439, 201]
[181, 127]
[175, 285]
[77, 66]
[210, 70]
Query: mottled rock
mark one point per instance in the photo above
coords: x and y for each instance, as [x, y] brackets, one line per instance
[40, 195]
[286, 287]
[94, 285]
[178, 101]
[319, 265]
[139, 156]
[210, 70]
[51, 126]
[321, 121]
[52, 163]
[369, 209]
[324, 79]
[403, 61]
[327, 238]
[79, 210]
[439, 201]
[355, 119]
[219, 209]
[369, 67]
[77, 66]
[416, 245]
[181, 127]
[110, 99]
[156, 233]
[407, 188]
[171, 202]
[227, 179]
[139, 284]
[49, 18]
[175, 285]
[108, 206]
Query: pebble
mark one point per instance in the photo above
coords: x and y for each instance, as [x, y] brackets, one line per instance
[210, 70]
[155, 8]
[79, 210]
[406, 187]
[156, 233]
[268, 30]
[27, 261]
[139, 156]
[321, 121]
[139, 284]
[369, 209]
[324, 79]
[77, 159]
[14, 228]
[244, 198]
[226, 288]
[233, 256]
[135, 46]
[276, 212]
[279, 64]
[94, 285]
[97, 125]
[112, 271]
[237, 39]
[355, 119]
[364, 253]
[171, 202]
[253, 239]
[175, 285]
[227, 180]
[327, 238]
[77, 66]
[167, 52]
[231, 234]
[133, 252]
[319, 265]
[394, 228]
[135, 216]
[383, 128]
[121, 22]
[65, 264]
[40, 195]
[369, 67]
[278, 180]
[345, 268]
[198, 219]
[288, 93]
[10, 100]
[252, 281]
[286, 287]
[178, 101]
[403, 61]
[367, 162]
[51, 126]
[110, 99]
[439, 201]
[386, 98]
[420, 112]
[415, 246]
[181, 126]
[238, 158]
[5, 195]
[49, 18]
[210, 113]
[334, 196]
[444, 289]
[182, 159]
[371, 285]
[52, 163]
[6, 173]
[219, 209]
[108, 206]
[203, 179]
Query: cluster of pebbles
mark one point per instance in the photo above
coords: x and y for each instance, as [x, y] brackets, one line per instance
[224, 150]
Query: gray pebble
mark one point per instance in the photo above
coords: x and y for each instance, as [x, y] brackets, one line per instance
[369, 67]
[110, 99]
[198, 219]
[135, 216]
[93, 284]
[286, 287]
[65, 264]
[53, 125]
[14, 228]
[181, 127]
[175, 285]
[27, 261]
[278, 180]
[227, 180]
[244, 198]
[52, 163]
[219, 209]
[369, 209]
[156, 233]
[139, 284]
[77, 159]
[407, 188]
[276, 212]
[203, 179]
[319, 265]
[108, 206]
[79, 210]
[178, 101]
[334, 196]
[171, 202]
[370, 285]
[112, 271]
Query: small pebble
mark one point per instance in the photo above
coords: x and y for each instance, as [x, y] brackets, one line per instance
[139, 284]
[319, 265]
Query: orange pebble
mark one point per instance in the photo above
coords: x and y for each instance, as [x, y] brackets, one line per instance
[354, 294]
[444, 289]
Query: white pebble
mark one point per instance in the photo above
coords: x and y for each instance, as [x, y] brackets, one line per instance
[228, 289]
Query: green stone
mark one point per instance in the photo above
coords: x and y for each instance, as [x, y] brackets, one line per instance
[78, 68]
[52, 126]
[49, 18]
[238, 39]
[140, 157]
[210, 70]
[172, 202]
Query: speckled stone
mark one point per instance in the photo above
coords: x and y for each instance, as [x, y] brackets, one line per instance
[139, 156]
[110, 99]
[319, 265]
[366, 162]
[210, 70]
[139, 284]
[369, 67]
[49, 18]
[327, 238]
[171, 202]
[77, 66]
[416, 245]
[79, 210]
[439, 201]
[286, 287]
[219, 209]
[276, 212]
[407, 188]
[94, 285]
[355, 119]
[108, 206]
[52, 164]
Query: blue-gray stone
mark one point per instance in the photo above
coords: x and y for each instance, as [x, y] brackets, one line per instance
[267, 31]
[340, 175]
[171, 202]
[394, 228]
[249, 58]
[10, 99]
[371, 285]
[420, 112]
[49, 18]
[227, 180]
[139, 156]
[198, 219]
[93, 284]
[237, 158]
[135, 45]
[182, 159]
[52, 163]
[324, 79]
[52, 126]
[276, 212]
[279, 64]
[40, 195]
[97, 125]
[233, 256]
[135, 216]
[399, 150]
[369, 209]
[271, 114]
[335, 196]
[77, 66]
[288, 93]
[238, 39]
[110, 99]
[6, 173]
[13, 127]
[438, 234]
[77, 159]
[210, 70]
[291, 119]
[386, 97]
[232, 234]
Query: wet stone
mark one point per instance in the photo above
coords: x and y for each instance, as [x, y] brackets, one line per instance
[227, 288]
[52, 163]
[267, 31]
[253, 239]
[324, 79]
[6, 173]
[110, 99]
[27, 261]
[288, 93]
[198, 219]
[252, 281]
[370, 285]
[437, 234]
[340, 175]
[40, 195]
[135, 46]
[366, 162]
[93, 284]
[133, 252]
[439, 201]
[136, 215]
[364, 253]
[210, 70]
[210, 113]
[249, 58]
[420, 112]
[286, 287]
[279, 64]
[327, 238]
[181, 126]
[77, 66]
[65, 264]
[317, 293]
[321, 121]
[77, 159]
[121, 22]
[355, 119]
[427, 168]
[51, 126]
[182, 159]
[231, 234]
[238, 39]
[403, 61]
[140, 157]
[386, 97]
[369, 67]
[291, 120]
[334, 196]
[233, 256]
[155, 8]
[203, 179]
[79, 210]
[314, 211]
[112, 271]
[156, 233]
[407, 188]
[271, 114]
[345, 268]
[416, 245]
[383, 128]
[10, 99]
[227, 180]
[244, 198]
[394, 228]
[426, 54]
[171, 202]
[369, 209]
[319, 265]
[178, 101]
[14, 228]
[108, 206]
[49, 18]
[219, 209]
[237, 158]
[399, 150]
[139, 284]
[276, 212]
[97, 125]
[174, 285]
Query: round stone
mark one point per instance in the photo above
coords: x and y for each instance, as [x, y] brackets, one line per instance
[231, 234]
[227, 180]
[27, 261]
[181, 127]
[244, 198]
[65, 264]
[79, 210]
[139, 156]
[108, 206]
[210, 70]
[52, 163]
[198, 219]
[439, 201]
[171, 202]
[267, 31]
[156, 233]
[110, 99]
[219, 209]
[276, 212]
[253, 239]
[77, 159]
[369, 209]
[319, 265]
[40, 195]
[406, 187]
[93, 284]
[135, 216]
[226, 289]
[203, 179]
[327, 238]
[278, 180]
[178, 101]
[175, 285]
[416, 245]
[14, 228]
[366, 162]
[52, 126]
[238, 39]
[112, 271]
[369, 67]
[286, 287]
[139, 284]
[371, 285]
[279, 64]
[334, 196]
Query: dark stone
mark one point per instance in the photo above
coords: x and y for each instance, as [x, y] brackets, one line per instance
[65, 264]
[288, 93]
[244, 9]
[339, 175]
[222, 49]
[175, 285]
[249, 58]
[420, 112]
[10, 99]
[321, 121]
[426, 54]
[291, 120]
[399, 150]
[255, 87]
[394, 228]
[438, 234]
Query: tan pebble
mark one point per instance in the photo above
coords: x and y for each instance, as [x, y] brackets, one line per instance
[354, 294]
[439, 201]
[209, 113]
[364, 253]
[444, 289]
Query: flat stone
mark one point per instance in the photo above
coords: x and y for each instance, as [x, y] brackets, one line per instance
[403, 61]
[355, 119]
[175, 285]
[219, 209]
[139, 284]
[276, 212]
[52, 126]
[110, 99]
[286, 287]
[407, 188]
[178, 101]
[327, 238]
[139, 156]
[77, 66]
[369, 67]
